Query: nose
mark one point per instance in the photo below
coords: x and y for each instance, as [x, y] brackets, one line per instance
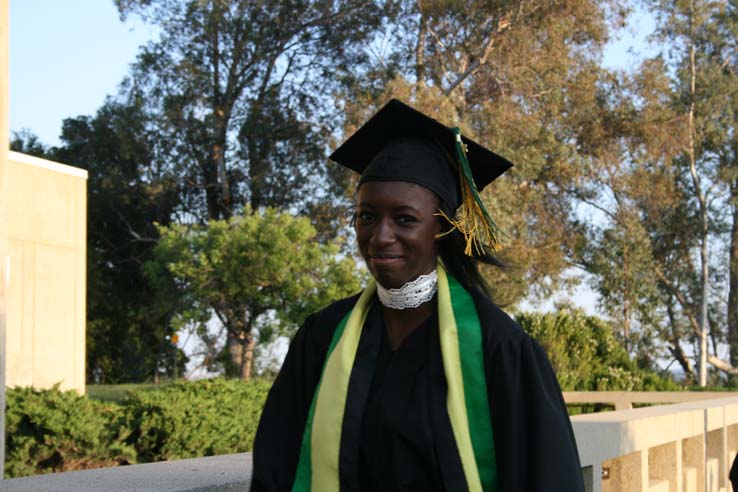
[383, 234]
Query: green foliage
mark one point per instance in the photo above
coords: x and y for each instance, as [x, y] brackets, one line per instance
[253, 77]
[260, 272]
[116, 393]
[127, 194]
[190, 419]
[521, 80]
[662, 141]
[27, 142]
[52, 430]
[587, 356]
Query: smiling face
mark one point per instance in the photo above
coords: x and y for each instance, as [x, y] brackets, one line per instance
[396, 230]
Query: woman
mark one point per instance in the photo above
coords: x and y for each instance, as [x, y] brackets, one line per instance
[420, 383]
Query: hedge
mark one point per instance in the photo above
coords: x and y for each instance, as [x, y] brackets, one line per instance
[53, 430]
[201, 418]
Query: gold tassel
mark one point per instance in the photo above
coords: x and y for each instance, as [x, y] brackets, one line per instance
[472, 219]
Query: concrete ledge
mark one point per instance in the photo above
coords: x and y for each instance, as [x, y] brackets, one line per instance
[226, 473]
[690, 445]
[623, 400]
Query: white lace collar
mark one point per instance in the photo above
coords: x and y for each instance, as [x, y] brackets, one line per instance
[410, 295]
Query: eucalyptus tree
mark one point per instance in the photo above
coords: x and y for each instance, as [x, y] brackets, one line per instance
[655, 142]
[517, 76]
[239, 96]
[686, 29]
[722, 51]
[239, 91]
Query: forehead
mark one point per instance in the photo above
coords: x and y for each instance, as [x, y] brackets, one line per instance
[396, 194]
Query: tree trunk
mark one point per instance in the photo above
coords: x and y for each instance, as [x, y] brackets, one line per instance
[212, 190]
[249, 342]
[733, 288]
[420, 49]
[676, 348]
[678, 353]
[258, 173]
[626, 306]
[705, 273]
[217, 159]
[235, 350]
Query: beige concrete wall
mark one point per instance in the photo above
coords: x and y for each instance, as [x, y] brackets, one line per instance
[686, 447]
[46, 230]
[4, 133]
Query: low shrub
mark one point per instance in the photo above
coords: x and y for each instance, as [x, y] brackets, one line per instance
[586, 355]
[190, 419]
[53, 430]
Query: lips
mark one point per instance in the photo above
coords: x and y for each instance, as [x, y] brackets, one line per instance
[384, 258]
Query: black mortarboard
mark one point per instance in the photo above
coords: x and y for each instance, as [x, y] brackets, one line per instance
[400, 143]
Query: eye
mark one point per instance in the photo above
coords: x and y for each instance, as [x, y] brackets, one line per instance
[363, 217]
[406, 219]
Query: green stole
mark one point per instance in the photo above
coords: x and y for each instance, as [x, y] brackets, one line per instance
[466, 402]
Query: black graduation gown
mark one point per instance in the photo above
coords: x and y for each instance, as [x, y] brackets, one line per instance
[400, 437]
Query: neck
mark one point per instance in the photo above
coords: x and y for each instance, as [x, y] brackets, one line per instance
[406, 307]
[401, 322]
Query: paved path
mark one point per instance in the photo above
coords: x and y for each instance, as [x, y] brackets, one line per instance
[227, 473]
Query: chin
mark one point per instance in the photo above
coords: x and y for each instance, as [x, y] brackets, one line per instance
[388, 280]
[393, 280]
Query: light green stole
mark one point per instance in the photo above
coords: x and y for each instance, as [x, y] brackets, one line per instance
[467, 400]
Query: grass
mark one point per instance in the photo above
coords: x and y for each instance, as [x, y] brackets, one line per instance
[116, 392]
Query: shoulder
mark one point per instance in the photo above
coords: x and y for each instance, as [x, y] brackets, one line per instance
[319, 327]
[497, 326]
[335, 312]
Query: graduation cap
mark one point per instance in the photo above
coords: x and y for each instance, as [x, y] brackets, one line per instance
[400, 143]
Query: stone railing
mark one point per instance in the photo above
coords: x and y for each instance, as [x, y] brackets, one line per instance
[225, 473]
[685, 447]
[624, 400]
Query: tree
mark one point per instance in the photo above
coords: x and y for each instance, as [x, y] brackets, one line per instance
[238, 89]
[27, 142]
[260, 273]
[722, 52]
[128, 330]
[586, 355]
[517, 76]
[653, 140]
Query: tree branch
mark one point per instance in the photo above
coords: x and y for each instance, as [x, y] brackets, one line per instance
[722, 365]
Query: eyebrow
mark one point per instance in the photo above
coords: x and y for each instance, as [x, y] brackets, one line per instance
[399, 208]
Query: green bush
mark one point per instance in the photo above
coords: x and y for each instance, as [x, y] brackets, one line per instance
[201, 418]
[586, 355]
[52, 430]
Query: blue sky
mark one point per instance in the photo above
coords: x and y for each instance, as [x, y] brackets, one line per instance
[67, 56]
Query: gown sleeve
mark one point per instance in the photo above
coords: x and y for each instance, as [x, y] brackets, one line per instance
[534, 442]
[282, 423]
[277, 442]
